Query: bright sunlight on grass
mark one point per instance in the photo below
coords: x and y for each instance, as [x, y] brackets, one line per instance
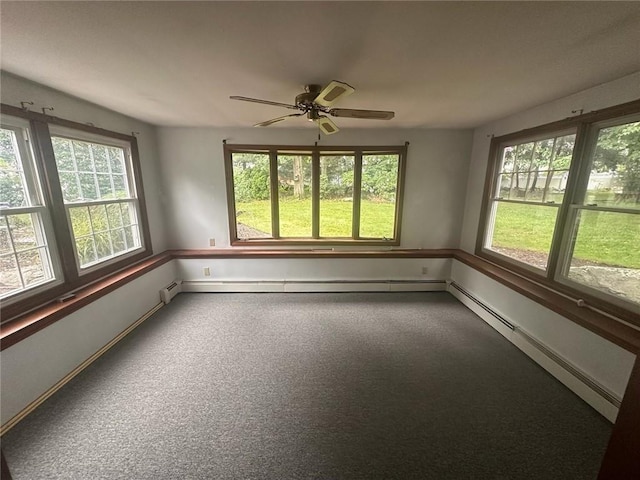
[335, 217]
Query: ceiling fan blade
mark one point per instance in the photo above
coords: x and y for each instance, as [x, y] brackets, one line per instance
[326, 125]
[332, 93]
[276, 120]
[265, 102]
[367, 114]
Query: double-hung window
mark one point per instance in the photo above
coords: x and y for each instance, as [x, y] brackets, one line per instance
[71, 207]
[313, 195]
[562, 206]
[27, 251]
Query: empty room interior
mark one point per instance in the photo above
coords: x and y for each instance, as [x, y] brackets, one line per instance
[307, 239]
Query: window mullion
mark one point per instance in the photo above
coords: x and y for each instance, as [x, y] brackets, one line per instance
[561, 241]
[275, 203]
[357, 194]
[315, 194]
[53, 193]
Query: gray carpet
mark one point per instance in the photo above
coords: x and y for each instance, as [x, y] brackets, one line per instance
[322, 386]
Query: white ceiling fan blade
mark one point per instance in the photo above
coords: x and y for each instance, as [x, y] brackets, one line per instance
[366, 114]
[265, 102]
[332, 93]
[326, 125]
[276, 120]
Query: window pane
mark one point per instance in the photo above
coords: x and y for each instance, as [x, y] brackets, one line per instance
[23, 232]
[114, 215]
[103, 245]
[100, 158]
[70, 186]
[336, 196]
[104, 185]
[615, 170]
[88, 186]
[98, 215]
[252, 194]
[12, 185]
[378, 195]
[606, 253]
[78, 162]
[86, 250]
[118, 241]
[5, 239]
[294, 191]
[63, 154]
[29, 246]
[80, 221]
[536, 171]
[82, 154]
[523, 232]
[9, 275]
[32, 266]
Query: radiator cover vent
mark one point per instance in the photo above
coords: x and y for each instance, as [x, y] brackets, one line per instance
[170, 291]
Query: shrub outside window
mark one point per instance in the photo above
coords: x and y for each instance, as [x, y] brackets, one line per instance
[562, 206]
[307, 195]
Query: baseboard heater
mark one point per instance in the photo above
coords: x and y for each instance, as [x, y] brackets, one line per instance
[311, 285]
[578, 374]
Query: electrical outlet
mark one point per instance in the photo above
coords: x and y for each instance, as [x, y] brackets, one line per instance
[206, 271]
[212, 242]
[425, 270]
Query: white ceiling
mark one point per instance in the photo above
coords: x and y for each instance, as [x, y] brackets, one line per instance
[436, 64]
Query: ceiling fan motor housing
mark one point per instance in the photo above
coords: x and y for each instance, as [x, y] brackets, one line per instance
[310, 93]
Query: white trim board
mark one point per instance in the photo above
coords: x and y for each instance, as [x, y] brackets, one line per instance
[316, 286]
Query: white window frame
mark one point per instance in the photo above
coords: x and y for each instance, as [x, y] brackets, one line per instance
[72, 134]
[38, 209]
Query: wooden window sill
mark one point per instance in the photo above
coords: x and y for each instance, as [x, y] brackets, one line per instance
[618, 332]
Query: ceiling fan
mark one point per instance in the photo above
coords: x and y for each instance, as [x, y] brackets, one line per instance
[316, 102]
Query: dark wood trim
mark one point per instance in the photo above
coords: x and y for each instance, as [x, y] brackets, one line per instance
[315, 195]
[540, 278]
[373, 149]
[357, 194]
[39, 117]
[615, 331]
[26, 325]
[143, 219]
[320, 242]
[231, 199]
[274, 194]
[622, 457]
[402, 175]
[251, 253]
[5, 474]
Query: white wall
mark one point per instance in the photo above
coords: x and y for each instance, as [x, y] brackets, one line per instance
[193, 169]
[30, 367]
[15, 90]
[607, 363]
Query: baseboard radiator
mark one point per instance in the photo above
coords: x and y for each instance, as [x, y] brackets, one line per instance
[538, 351]
[313, 286]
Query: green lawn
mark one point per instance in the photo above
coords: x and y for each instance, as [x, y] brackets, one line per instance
[376, 219]
[603, 237]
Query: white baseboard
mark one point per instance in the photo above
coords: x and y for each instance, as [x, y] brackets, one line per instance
[599, 397]
[315, 286]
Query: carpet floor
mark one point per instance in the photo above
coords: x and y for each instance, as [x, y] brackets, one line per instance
[311, 386]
